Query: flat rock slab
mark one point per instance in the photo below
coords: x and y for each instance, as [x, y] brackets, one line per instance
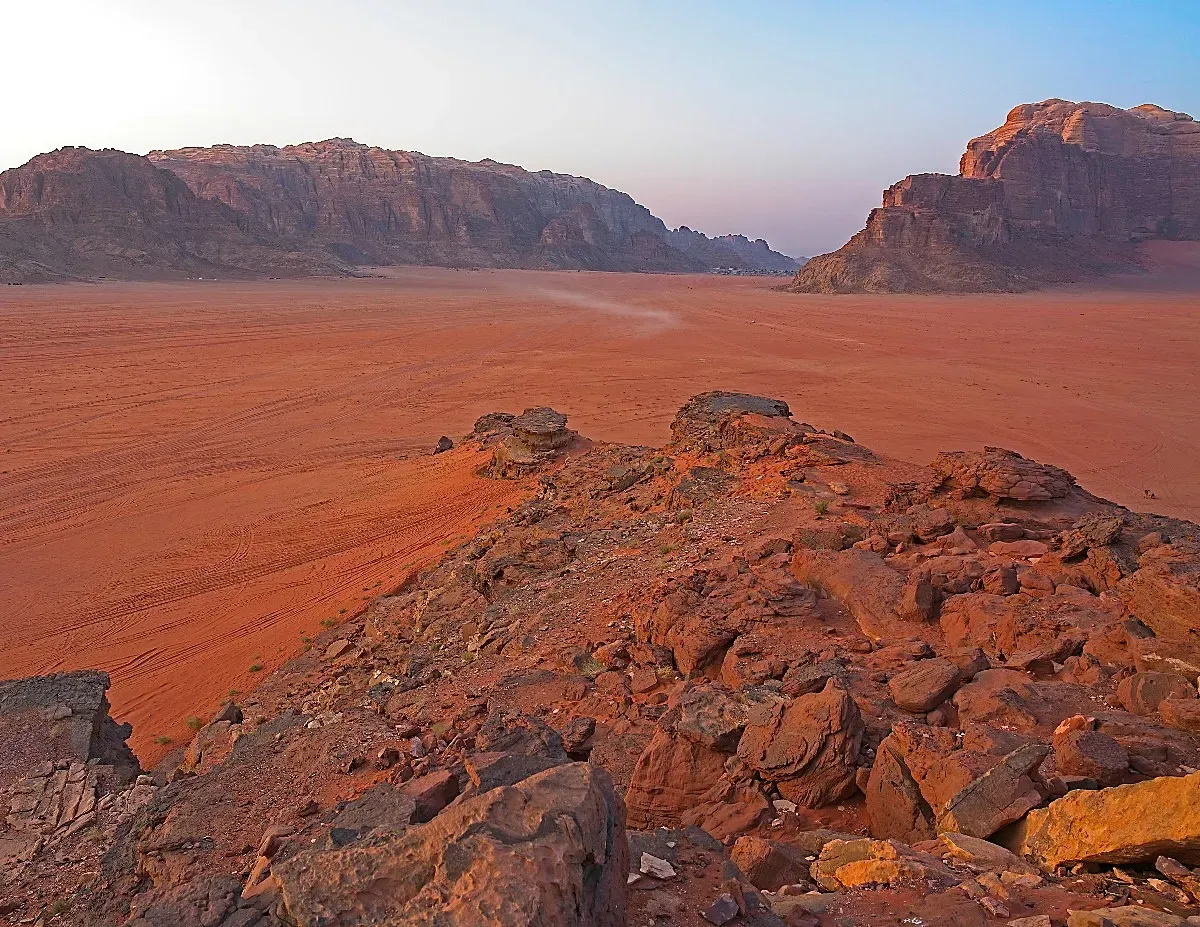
[1127, 824]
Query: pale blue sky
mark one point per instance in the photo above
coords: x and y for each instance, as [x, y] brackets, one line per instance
[783, 120]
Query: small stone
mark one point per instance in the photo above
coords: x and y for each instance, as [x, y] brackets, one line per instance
[658, 868]
[337, 649]
[722, 911]
[1036, 920]
[273, 838]
[307, 808]
[994, 907]
[387, 758]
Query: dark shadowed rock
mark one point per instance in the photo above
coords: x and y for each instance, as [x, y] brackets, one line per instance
[549, 850]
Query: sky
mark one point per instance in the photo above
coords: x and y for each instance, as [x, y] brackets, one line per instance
[781, 120]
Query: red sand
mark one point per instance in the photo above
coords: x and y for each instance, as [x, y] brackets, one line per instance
[197, 474]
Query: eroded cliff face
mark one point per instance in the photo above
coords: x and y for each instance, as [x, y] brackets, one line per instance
[75, 212]
[1060, 191]
[329, 207]
[1094, 170]
[376, 206]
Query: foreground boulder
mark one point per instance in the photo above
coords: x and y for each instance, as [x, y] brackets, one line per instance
[856, 863]
[1128, 824]
[808, 748]
[685, 757]
[549, 850]
[528, 441]
[924, 783]
[719, 419]
[1002, 474]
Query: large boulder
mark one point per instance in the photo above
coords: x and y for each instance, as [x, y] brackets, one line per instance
[1134, 823]
[1165, 595]
[847, 864]
[717, 419]
[685, 757]
[548, 850]
[1142, 693]
[924, 685]
[923, 783]
[869, 589]
[808, 747]
[533, 438]
[769, 864]
[1133, 915]
[1002, 474]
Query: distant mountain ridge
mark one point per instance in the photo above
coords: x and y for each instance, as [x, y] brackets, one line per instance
[329, 207]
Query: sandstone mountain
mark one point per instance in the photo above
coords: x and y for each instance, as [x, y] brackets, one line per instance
[761, 676]
[1060, 191]
[77, 213]
[373, 206]
[328, 207]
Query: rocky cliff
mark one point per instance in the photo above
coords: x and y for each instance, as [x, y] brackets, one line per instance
[1060, 191]
[761, 675]
[372, 206]
[79, 213]
[328, 207]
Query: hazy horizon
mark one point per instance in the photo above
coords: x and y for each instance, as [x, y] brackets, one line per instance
[774, 120]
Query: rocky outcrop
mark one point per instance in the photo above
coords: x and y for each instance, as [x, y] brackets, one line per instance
[979, 647]
[327, 208]
[64, 766]
[60, 719]
[1060, 191]
[527, 441]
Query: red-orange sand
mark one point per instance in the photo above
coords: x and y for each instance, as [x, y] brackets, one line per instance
[194, 475]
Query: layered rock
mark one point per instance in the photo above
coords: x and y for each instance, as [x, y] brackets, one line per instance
[328, 207]
[1127, 824]
[1060, 191]
[80, 213]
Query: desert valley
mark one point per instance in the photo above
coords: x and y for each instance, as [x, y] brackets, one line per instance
[388, 539]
